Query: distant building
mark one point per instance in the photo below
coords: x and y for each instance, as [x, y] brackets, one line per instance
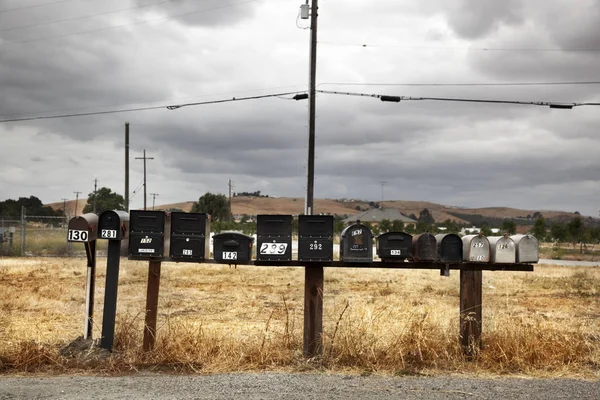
[376, 215]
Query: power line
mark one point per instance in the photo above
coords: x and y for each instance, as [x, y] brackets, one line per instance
[170, 107]
[85, 16]
[130, 24]
[524, 49]
[465, 84]
[36, 6]
[466, 100]
[64, 110]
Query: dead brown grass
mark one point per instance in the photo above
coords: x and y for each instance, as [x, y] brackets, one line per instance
[213, 318]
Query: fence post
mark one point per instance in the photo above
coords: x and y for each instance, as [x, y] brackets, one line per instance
[470, 311]
[22, 231]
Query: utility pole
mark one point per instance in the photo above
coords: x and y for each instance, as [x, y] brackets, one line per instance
[64, 206]
[76, 201]
[382, 185]
[153, 199]
[127, 166]
[230, 212]
[144, 158]
[310, 185]
[95, 193]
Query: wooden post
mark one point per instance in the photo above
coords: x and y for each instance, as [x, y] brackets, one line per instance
[151, 304]
[470, 311]
[313, 311]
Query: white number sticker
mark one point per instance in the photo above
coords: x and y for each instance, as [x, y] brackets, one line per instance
[187, 252]
[395, 252]
[273, 248]
[316, 246]
[478, 258]
[108, 234]
[145, 250]
[77, 236]
[477, 244]
[230, 255]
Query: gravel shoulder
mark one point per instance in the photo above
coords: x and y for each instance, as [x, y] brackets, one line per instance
[292, 386]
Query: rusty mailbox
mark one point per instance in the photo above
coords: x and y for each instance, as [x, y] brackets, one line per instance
[424, 247]
[502, 249]
[232, 248]
[83, 228]
[315, 238]
[528, 249]
[356, 244]
[274, 237]
[190, 237]
[147, 237]
[394, 246]
[450, 247]
[476, 248]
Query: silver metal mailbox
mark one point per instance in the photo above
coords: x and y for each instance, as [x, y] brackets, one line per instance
[528, 248]
[476, 248]
[502, 249]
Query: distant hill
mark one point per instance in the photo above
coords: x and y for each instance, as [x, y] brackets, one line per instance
[295, 205]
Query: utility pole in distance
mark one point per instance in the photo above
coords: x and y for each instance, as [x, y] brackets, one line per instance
[382, 185]
[153, 199]
[144, 158]
[127, 166]
[64, 206]
[76, 202]
[230, 211]
[95, 193]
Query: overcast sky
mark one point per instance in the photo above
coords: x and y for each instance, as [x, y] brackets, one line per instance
[84, 55]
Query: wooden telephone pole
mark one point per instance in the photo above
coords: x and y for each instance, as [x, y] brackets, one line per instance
[144, 158]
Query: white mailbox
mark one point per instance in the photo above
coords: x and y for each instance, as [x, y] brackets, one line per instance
[528, 249]
[476, 248]
[502, 249]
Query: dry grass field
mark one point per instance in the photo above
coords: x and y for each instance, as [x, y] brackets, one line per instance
[213, 318]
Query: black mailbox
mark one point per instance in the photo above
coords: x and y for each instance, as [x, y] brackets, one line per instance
[83, 228]
[147, 237]
[315, 238]
[274, 237]
[424, 247]
[450, 247]
[232, 248]
[190, 236]
[356, 244]
[113, 225]
[394, 246]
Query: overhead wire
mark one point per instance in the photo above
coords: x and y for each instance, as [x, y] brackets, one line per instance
[464, 84]
[7, 43]
[451, 48]
[383, 97]
[86, 16]
[168, 107]
[35, 6]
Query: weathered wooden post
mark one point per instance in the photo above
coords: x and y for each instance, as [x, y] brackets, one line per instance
[151, 305]
[470, 310]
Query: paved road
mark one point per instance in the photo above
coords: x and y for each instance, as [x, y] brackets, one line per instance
[292, 386]
[570, 263]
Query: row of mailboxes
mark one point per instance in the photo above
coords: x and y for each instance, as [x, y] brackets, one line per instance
[190, 232]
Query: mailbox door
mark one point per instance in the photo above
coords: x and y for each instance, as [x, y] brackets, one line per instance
[394, 246]
[113, 225]
[232, 248]
[274, 225]
[192, 248]
[450, 248]
[503, 250]
[528, 250]
[424, 247]
[356, 244]
[476, 248]
[146, 245]
[189, 223]
[143, 221]
[315, 226]
[315, 249]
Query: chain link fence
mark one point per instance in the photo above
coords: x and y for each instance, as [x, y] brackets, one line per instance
[40, 236]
